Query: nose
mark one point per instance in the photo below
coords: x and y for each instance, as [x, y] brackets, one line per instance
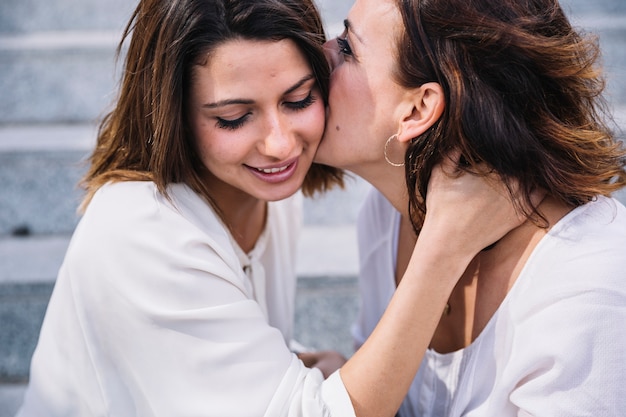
[279, 140]
[331, 50]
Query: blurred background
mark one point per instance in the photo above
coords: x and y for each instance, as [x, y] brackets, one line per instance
[58, 76]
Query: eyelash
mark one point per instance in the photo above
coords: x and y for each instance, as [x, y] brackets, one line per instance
[295, 105]
[302, 104]
[231, 124]
[344, 46]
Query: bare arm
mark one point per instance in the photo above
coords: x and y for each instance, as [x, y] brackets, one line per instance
[464, 215]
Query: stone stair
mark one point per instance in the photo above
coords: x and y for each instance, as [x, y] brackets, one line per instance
[58, 75]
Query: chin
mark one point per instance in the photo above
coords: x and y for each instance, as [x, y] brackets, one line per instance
[283, 191]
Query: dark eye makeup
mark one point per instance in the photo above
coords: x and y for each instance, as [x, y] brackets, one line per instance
[292, 105]
[231, 124]
[344, 46]
[302, 104]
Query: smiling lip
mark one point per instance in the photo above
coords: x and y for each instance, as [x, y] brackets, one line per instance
[275, 174]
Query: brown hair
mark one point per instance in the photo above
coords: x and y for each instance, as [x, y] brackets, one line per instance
[145, 137]
[522, 92]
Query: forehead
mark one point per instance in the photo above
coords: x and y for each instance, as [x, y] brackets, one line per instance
[375, 20]
[266, 56]
[243, 67]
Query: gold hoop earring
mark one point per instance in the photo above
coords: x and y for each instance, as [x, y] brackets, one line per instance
[393, 164]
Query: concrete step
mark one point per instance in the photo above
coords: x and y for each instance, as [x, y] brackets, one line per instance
[40, 167]
[21, 16]
[611, 29]
[11, 396]
[41, 15]
[56, 77]
[584, 7]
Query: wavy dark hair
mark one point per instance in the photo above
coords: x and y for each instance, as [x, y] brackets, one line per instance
[522, 94]
[146, 136]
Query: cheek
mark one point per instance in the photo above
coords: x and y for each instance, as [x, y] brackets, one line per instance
[200, 129]
[212, 148]
[344, 84]
[201, 139]
[313, 122]
[348, 98]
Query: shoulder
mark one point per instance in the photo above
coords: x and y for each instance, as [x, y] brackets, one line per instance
[604, 217]
[590, 238]
[117, 195]
[119, 206]
[130, 229]
[577, 269]
[135, 217]
[137, 205]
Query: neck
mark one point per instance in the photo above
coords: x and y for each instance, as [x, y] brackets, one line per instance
[489, 278]
[389, 181]
[525, 237]
[500, 267]
[246, 222]
[243, 214]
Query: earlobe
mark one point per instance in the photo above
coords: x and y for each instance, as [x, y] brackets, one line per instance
[428, 105]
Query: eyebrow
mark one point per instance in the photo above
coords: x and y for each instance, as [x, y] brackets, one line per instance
[224, 103]
[228, 102]
[350, 28]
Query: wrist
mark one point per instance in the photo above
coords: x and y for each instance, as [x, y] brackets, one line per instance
[440, 257]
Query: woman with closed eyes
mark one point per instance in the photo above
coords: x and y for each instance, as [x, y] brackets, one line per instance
[535, 325]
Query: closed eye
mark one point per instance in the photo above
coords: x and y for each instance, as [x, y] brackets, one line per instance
[302, 104]
[344, 46]
[232, 124]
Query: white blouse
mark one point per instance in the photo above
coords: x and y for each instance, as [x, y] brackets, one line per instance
[156, 312]
[555, 347]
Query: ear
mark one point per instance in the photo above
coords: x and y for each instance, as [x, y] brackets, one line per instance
[426, 105]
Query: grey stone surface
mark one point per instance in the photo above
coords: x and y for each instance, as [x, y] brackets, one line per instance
[611, 32]
[326, 307]
[338, 206]
[32, 259]
[585, 7]
[22, 307]
[11, 396]
[42, 15]
[55, 84]
[38, 193]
